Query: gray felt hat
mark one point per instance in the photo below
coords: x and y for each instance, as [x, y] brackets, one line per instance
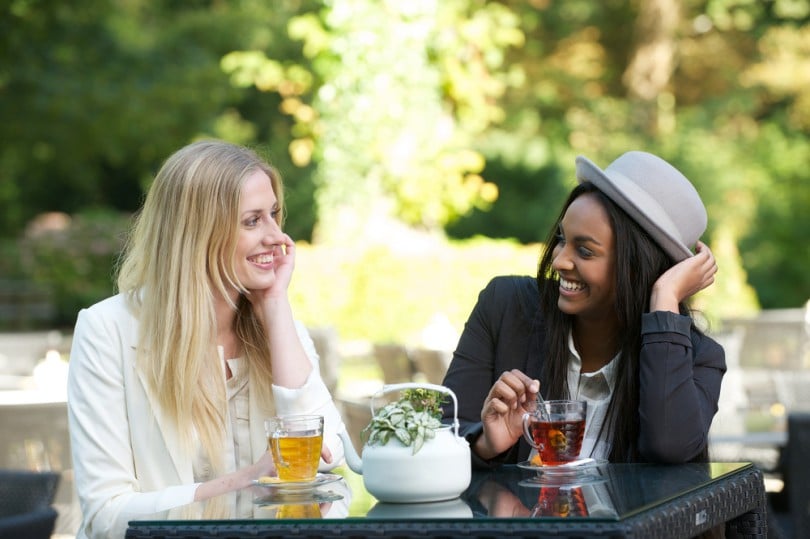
[655, 194]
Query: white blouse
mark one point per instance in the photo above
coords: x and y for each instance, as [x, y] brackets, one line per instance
[595, 388]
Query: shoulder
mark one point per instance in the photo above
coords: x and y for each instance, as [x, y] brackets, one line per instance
[512, 286]
[111, 315]
[104, 340]
[513, 291]
[111, 308]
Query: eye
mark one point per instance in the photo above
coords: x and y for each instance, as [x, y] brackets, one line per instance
[559, 236]
[275, 212]
[584, 252]
[252, 221]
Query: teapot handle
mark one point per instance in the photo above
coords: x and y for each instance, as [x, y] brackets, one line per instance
[416, 385]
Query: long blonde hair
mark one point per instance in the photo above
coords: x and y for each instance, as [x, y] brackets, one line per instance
[179, 257]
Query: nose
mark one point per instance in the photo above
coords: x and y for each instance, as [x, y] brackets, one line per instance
[272, 232]
[561, 259]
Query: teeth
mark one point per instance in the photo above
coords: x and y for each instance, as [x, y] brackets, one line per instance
[263, 259]
[571, 285]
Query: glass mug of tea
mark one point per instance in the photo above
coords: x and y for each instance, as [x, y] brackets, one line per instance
[295, 443]
[556, 429]
[298, 510]
[560, 501]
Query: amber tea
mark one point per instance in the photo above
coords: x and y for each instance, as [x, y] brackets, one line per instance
[302, 510]
[295, 443]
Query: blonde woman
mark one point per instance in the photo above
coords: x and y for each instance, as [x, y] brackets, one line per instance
[171, 379]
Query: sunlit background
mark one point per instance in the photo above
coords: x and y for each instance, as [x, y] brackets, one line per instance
[426, 146]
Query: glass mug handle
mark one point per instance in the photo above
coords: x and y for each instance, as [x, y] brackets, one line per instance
[527, 434]
[277, 448]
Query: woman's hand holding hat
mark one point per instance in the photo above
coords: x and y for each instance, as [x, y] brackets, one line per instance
[684, 279]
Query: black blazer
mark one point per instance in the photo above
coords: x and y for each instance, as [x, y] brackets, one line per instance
[679, 379]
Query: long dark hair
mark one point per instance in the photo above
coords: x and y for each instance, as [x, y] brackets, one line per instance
[639, 263]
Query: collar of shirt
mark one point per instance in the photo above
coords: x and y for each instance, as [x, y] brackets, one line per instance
[598, 384]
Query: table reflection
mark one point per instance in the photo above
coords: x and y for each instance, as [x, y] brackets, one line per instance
[609, 492]
[266, 502]
[456, 508]
[510, 494]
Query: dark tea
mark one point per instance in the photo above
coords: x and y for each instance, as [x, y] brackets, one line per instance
[557, 442]
[560, 502]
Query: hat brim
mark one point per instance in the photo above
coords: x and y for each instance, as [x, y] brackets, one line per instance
[638, 204]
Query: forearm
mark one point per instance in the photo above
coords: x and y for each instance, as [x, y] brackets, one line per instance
[227, 483]
[290, 364]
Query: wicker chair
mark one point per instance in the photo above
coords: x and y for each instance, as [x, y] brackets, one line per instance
[797, 471]
[25, 503]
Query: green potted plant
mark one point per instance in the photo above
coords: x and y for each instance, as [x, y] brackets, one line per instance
[412, 419]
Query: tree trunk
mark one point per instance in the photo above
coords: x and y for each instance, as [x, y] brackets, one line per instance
[652, 64]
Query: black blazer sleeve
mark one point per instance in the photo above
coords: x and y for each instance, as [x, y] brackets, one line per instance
[495, 339]
[680, 372]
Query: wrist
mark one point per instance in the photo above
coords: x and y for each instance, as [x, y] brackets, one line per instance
[483, 448]
[662, 301]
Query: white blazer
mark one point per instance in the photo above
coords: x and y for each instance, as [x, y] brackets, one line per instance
[127, 458]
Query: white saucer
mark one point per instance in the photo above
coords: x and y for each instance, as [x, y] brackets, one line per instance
[563, 469]
[297, 497]
[577, 480]
[277, 484]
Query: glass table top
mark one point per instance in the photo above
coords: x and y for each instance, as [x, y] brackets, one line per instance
[607, 492]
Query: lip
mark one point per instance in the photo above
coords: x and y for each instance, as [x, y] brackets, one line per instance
[254, 260]
[570, 293]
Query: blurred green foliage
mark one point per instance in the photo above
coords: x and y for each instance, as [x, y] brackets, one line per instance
[94, 95]
[75, 263]
[455, 116]
[391, 293]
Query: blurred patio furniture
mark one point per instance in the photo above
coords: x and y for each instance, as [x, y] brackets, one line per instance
[797, 472]
[394, 362]
[356, 416]
[25, 503]
[34, 436]
[431, 364]
[327, 344]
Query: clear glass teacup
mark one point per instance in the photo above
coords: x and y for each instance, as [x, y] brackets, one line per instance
[556, 429]
[295, 442]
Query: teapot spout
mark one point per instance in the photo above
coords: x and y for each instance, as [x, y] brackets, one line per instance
[352, 458]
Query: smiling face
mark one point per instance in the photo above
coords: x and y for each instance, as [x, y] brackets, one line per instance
[260, 237]
[584, 259]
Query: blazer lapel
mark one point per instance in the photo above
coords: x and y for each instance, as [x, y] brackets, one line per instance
[258, 413]
[171, 438]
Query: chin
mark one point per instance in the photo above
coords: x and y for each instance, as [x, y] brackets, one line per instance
[259, 284]
[567, 308]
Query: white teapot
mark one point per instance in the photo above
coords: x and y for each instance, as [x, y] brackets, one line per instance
[439, 470]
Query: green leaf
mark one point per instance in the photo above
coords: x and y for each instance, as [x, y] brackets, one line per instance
[418, 443]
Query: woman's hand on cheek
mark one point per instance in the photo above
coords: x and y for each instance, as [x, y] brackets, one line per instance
[284, 261]
[283, 265]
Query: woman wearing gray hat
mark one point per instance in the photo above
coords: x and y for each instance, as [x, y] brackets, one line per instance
[604, 321]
